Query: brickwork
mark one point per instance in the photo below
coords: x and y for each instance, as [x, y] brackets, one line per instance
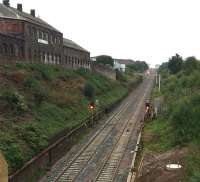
[11, 26]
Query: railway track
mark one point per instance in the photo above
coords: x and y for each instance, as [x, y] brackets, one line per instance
[110, 166]
[75, 166]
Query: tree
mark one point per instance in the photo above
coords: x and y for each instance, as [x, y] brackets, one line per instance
[190, 64]
[105, 60]
[89, 91]
[139, 66]
[175, 64]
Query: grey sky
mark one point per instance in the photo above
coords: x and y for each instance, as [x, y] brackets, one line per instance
[150, 30]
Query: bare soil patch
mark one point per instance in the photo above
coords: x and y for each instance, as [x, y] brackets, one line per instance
[154, 166]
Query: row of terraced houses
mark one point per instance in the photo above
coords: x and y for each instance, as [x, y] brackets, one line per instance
[27, 38]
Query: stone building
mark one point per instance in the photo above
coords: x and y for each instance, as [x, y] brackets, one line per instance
[28, 38]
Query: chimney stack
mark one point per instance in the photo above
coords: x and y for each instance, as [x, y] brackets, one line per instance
[33, 12]
[19, 7]
[6, 3]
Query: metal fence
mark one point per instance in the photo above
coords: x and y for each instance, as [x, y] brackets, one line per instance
[59, 145]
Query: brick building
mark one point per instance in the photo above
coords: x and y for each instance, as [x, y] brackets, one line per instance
[28, 38]
[74, 55]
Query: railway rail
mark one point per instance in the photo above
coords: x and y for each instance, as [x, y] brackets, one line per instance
[108, 169]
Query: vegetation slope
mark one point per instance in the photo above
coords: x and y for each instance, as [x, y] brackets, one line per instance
[39, 101]
[178, 123]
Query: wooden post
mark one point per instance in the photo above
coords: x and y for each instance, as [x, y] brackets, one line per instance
[3, 169]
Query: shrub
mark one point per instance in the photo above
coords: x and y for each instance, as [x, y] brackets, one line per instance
[40, 94]
[185, 117]
[15, 101]
[12, 151]
[89, 91]
[35, 137]
[120, 76]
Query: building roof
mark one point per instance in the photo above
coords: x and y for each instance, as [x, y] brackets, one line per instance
[124, 61]
[13, 13]
[71, 44]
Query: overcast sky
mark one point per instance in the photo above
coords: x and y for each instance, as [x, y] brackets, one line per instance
[149, 30]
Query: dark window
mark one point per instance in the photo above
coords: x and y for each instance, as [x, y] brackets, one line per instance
[34, 32]
[29, 31]
[47, 56]
[38, 34]
[47, 36]
[43, 56]
[29, 53]
[35, 54]
[12, 52]
[5, 49]
[22, 51]
[44, 36]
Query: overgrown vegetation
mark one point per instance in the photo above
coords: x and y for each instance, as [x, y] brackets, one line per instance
[106, 60]
[38, 101]
[137, 66]
[178, 124]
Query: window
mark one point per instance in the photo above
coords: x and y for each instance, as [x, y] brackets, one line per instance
[55, 40]
[47, 36]
[22, 51]
[5, 49]
[12, 49]
[51, 39]
[38, 34]
[35, 53]
[1, 49]
[42, 37]
[59, 41]
[48, 57]
[29, 30]
[34, 32]
[29, 53]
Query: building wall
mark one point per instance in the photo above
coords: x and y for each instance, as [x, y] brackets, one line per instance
[11, 49]
[76, 58]
[119, 66]
[43, 45]
[40, 45]
[11, 26]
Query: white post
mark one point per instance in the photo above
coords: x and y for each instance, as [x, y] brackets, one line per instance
[159, 82]
[156, 77]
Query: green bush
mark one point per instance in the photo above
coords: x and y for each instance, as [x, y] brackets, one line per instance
[12, 151]
[35, 137]
[15, 101]
[185, 118]
[120, 76]
[89, 91]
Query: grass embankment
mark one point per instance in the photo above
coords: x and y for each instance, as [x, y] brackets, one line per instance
[39, 101]
[178, 123]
